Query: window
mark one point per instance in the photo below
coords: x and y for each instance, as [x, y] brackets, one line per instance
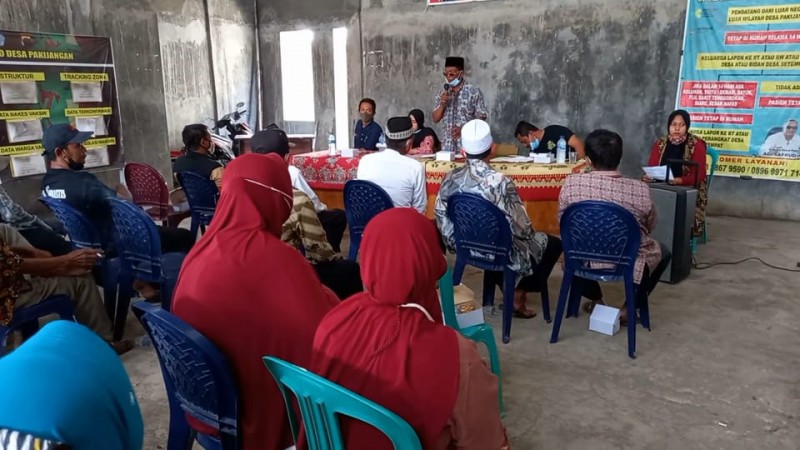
[297, 75]
[341, 108]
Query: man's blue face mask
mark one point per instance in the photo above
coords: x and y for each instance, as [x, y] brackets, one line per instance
[535, 144]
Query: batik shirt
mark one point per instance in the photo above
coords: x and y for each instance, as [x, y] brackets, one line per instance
[303, 230]
[16, 216]
[14, 440]
[12, 282]
[462, 107]
[478, 177]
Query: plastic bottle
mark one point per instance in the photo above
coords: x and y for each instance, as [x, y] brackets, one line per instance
[332, 145]
[382, 141]
[561, 151]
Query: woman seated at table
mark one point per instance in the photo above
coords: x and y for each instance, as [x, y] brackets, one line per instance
[253, 295]
[65, 388]
[680, 145]
[424, 141]
[389, 345]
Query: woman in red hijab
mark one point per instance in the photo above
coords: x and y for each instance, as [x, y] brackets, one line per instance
[389, 344]
[251, 294]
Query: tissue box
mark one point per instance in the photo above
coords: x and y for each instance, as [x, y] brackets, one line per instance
[348, 152]
[468, 311]
[444, 156]
[542, 158]
[604, 320]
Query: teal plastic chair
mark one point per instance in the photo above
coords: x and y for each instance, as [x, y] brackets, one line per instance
[322, 401]
[711, 169]
[482, 333]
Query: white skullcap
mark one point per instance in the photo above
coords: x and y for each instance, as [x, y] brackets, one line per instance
[476, 137]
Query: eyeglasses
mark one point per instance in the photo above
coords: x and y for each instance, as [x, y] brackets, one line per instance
[451, 74]
[289, 200]
[791, 128]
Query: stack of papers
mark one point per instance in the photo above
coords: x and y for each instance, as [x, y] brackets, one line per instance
[658, 173]
[513, 159]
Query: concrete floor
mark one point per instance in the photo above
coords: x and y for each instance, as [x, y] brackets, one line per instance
[718, 371]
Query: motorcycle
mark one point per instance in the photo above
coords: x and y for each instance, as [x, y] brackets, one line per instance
[231, 124]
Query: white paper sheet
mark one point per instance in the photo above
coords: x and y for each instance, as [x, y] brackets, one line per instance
[96, 125]
[22, 166]
[24, 130]
[18, 92]
[87, 91]
[513, 159]
[656, 172]
[96, 157]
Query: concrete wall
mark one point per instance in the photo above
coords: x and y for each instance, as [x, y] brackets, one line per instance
[585, 64]
[163, 54]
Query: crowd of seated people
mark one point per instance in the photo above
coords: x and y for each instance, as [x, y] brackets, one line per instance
[269, 264]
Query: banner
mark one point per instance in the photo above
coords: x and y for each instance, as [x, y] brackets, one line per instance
[47, 79]
[740, 82]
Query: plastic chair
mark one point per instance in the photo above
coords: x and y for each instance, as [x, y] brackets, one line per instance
[117, 289]
[202, 195]
[482, 333]
[600, 232]
[322, 402]
[483, 240]
[200, 386]
[139, 246]
[151, 192]
[26, 319]
[363, 200]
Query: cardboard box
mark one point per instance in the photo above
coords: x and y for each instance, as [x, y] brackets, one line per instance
[506, 150]
[604, 320]
[468, 310]
[444, 156]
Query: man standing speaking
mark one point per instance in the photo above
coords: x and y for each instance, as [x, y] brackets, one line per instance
[458, 103]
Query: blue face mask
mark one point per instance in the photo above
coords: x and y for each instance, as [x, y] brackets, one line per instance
[455, 82]
[535, 144]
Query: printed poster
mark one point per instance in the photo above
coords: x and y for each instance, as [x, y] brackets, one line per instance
[740, 82]
[49, 78]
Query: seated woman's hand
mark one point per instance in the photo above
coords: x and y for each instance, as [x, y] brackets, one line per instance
[647, 179]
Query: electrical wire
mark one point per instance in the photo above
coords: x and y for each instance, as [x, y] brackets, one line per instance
[704, 265]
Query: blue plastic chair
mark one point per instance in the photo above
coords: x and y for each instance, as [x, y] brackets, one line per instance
[322, 402]
[363, 200]
[482, 333]
[117, 289]
[600, 232]
[139, 246]
[483, 240]
[198, 379]
[26, 319]
[202, 195]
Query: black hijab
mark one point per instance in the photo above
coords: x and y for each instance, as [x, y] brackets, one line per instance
[676, 151]
[419, 116]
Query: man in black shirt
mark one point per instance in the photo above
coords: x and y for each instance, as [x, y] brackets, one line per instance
[66, 180]
[199, 148]
[546, 140]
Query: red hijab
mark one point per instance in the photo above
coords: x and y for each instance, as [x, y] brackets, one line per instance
[251, 294]
[392, 354]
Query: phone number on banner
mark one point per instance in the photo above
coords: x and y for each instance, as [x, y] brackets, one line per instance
[771, 168]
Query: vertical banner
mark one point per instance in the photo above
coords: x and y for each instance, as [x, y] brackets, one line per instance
[47, 79]
[740, 82]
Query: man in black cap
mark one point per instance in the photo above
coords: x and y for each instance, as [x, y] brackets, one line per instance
[274, 140]
[457, 104]
[403, 178]
[66, 180]
[199, 148]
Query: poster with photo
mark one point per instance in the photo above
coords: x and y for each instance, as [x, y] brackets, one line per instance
[48, 79]
[740, 82]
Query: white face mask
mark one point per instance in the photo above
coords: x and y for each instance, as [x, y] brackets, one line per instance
[286, 198]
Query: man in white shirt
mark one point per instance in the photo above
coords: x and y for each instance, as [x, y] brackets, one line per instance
[403, 178]
[274, 140]
[785, 144]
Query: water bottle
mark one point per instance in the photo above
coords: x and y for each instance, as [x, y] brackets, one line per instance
[332, 145]
[561, 152]
[381, 141]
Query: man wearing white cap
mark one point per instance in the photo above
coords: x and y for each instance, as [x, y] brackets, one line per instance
[534, 253]
[403, 178]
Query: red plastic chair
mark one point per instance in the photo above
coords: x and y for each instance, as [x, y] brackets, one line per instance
[151, 193]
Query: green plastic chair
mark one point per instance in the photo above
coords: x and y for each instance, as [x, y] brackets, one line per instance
[482, 333]
[712, 159]
[322, 401]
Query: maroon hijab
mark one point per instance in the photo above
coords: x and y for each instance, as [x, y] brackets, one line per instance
[375, 344]
[251, 294]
